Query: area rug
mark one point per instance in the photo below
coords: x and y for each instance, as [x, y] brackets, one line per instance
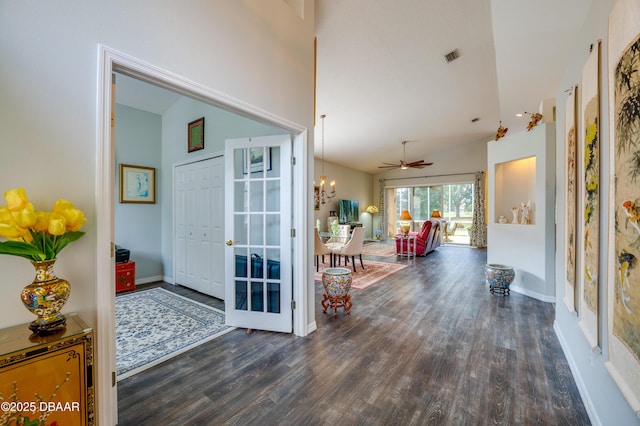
[372, 273]
[380, 248]
[155, 325]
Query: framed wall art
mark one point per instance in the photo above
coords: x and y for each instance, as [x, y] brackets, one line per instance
[623, 289]
[590, 197]
[316, 198]
[195, 135]
[137, 184]
[259, 160]
[570, 199]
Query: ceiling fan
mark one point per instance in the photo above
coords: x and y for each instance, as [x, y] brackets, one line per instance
[403, 163]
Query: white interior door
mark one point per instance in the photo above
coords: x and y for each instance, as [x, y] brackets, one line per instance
[258, 233]
[199, 226]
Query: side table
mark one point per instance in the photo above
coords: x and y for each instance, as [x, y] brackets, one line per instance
[48, 379]
[410, 246]
[125, 276]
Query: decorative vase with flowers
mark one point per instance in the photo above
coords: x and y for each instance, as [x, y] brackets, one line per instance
[40, 236]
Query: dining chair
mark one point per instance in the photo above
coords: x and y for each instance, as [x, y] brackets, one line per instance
[319, 249]
[352, 248]
[449, 230]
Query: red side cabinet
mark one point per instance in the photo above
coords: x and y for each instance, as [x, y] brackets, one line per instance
[125, 276]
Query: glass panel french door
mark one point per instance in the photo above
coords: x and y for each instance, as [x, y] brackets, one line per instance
[258, 235]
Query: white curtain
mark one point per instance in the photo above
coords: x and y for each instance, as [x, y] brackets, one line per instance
[479, 222]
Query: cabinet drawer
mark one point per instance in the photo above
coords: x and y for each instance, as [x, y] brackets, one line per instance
[125, 276]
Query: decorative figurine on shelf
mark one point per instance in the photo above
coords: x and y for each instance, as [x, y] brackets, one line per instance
[526, 208]
[535, 118]
[501, 131]
[502, 219]
[514, 212]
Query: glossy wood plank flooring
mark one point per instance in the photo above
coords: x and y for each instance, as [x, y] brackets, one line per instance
[428, 345]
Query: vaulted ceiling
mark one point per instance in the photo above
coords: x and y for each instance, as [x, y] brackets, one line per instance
[382, 77]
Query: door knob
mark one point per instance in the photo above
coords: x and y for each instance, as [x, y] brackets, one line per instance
[229, 242]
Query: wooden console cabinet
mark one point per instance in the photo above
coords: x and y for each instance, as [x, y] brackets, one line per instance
[125, 276]
[48, 378]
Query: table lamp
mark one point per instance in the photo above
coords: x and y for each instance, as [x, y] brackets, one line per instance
[405, 222]
[436, 214]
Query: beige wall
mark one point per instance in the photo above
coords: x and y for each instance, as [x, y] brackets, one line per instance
[350, 185]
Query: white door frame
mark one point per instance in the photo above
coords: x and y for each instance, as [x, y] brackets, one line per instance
[109, 61]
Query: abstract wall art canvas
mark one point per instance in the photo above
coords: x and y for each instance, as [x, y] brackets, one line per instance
[590, 196]
[570, 146]
[623, 289]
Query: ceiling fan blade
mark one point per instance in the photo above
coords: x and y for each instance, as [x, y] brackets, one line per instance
[391, 164]
[388, 167]
[419, 163]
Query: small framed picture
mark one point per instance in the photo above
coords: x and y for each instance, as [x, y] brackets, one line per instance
[137, 184]
[195, 135]
[316, 198]
[259, 160]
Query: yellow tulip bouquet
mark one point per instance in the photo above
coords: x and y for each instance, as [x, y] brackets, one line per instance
[37, 235]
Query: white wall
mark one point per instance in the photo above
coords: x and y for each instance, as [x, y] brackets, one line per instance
[604, 401]
[528, 248]
[467, 159]
[257, 51]
[138, 226]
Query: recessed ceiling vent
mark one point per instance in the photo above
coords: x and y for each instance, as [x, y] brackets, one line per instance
[452, 56]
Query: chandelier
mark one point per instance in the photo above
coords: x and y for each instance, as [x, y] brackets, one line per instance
[323, 195]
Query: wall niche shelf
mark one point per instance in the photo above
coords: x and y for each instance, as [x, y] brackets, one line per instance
[521, 168]
[515, 184]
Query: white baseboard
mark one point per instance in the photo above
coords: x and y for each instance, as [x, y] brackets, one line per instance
[168, 279]
[311, 327]
[149, 279]
[535, 295]
[582, 389]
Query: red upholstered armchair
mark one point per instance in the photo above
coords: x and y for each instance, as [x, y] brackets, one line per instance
[429, 237]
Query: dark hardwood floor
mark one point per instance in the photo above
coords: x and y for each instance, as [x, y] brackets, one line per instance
[428, 345]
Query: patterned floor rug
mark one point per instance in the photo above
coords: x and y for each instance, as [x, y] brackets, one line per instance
[372, 273]
[380, 248]
[155, 325]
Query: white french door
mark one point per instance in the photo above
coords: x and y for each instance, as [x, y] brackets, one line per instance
[258, 278]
